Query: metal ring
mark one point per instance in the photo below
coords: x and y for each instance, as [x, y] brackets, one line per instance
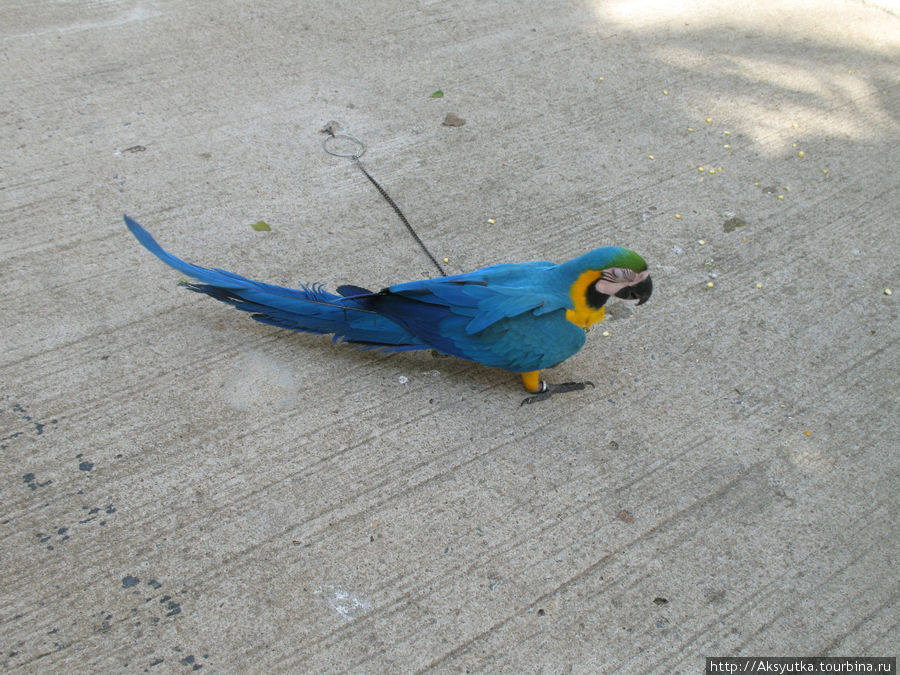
[349, 155]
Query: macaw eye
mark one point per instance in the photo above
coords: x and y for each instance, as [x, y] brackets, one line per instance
[618, 275]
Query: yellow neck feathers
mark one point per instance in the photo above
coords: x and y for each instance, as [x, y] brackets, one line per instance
[584, 315]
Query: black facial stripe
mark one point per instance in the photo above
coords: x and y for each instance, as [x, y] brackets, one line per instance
[594, 298]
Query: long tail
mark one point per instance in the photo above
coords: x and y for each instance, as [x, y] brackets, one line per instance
[310, 309]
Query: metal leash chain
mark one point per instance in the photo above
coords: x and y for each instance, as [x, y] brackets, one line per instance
[331, 131]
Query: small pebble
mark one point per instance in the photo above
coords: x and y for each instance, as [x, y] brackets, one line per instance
[453, 120]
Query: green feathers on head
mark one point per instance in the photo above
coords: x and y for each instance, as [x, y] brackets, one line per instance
[606, 257]
[629, 259]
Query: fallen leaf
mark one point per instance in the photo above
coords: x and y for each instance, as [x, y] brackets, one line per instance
[261, 226]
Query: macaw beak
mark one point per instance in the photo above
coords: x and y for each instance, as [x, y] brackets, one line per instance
[640, 291]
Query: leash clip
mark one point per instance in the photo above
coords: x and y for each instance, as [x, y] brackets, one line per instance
[333, 138]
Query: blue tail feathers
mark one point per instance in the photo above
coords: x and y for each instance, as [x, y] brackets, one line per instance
[309, 309]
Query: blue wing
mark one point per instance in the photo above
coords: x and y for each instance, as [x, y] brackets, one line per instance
[491, 293]
[511, 316]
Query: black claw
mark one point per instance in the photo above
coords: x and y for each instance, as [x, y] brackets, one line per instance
[534, 399]
[555, 389]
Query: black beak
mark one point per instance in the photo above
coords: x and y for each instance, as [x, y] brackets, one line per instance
[640, 292]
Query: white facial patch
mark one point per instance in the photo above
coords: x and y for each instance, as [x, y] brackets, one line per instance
[614, 279]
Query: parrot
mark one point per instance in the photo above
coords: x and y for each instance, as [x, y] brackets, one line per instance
[520, 317]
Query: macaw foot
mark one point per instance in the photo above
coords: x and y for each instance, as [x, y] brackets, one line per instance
[542, 391]
[548, 390]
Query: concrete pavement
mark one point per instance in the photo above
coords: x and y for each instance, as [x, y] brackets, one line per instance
[185, 488]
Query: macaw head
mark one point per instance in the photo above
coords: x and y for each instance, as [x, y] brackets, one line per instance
[612, 271]
[600, 274]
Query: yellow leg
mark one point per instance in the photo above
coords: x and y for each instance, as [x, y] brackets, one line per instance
[532, 381]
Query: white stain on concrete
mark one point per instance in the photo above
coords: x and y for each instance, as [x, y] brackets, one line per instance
[346, 603]
[119, 19]
[260, 381]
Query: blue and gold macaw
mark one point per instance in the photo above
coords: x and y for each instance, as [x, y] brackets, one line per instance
[522, 317]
